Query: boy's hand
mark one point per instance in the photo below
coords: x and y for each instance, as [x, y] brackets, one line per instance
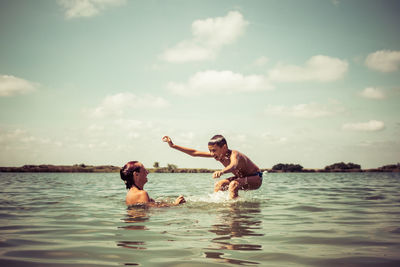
[217, 174]
[168, 140]
[180, 200]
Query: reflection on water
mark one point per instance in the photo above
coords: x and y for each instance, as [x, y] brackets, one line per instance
[218, 256]
[135, 219]
[232, 226]
[237, 221]
[131, 244]
[136, 214]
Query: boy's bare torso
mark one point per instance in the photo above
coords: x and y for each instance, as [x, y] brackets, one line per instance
[245, 166]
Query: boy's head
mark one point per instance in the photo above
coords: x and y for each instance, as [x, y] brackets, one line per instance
[218, 147]
[218, 140]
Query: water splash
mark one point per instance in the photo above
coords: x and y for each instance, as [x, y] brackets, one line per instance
[220, 197]
[216, 197]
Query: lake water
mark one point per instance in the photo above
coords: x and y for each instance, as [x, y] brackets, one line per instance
[298, 219]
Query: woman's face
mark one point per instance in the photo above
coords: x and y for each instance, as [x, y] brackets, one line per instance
[141, 176]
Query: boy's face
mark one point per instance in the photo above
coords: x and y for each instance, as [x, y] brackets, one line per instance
[218, 152]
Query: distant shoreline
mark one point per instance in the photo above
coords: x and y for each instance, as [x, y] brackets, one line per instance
[337, 170]
[110, 169]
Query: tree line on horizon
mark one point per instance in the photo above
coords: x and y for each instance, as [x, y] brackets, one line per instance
[172, 168]
[336, 167]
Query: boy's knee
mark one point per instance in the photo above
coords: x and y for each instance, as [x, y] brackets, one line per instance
[233, 185]
[219, 185]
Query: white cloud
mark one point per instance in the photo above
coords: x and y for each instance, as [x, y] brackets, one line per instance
[186, 138]
[131, 125]
[238, 138]
[188, 51]
[272, 139]
[308, 111]
[95, 128]
[10, 85]
[373, 93]
[92, 144]
[318, 68]
[208, 36]
[115, 105]
[21, 139]
[261, 61]
[212, 81]
[10, 136]
[87, 8]
[384, 61]
[370, 126]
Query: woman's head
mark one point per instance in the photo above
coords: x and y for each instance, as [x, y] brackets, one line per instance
[127, 173]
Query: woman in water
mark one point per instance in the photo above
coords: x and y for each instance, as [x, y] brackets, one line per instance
[134, 175]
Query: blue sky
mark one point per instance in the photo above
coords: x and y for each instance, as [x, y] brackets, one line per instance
[101, 81]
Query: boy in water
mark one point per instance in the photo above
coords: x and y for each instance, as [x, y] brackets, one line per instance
[247, 176]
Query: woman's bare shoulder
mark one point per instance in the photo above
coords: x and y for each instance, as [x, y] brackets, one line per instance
[137, 197]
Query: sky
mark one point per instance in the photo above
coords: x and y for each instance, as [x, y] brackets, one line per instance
[100, 82]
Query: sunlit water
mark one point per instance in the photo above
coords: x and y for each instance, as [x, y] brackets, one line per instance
[320, 219]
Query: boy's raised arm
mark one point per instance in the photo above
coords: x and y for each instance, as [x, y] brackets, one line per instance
[190, 151]
[231, 167]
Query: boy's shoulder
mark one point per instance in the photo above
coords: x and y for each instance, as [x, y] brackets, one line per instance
[236, 152]
[239, 155]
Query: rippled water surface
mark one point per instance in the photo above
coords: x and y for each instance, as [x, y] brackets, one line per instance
[320, 219]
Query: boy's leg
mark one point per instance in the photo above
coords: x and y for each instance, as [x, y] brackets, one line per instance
[234, 188]
[221, 185]
[245, 183]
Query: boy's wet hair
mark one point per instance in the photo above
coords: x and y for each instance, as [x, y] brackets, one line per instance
[127, 171]
[218, 140]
